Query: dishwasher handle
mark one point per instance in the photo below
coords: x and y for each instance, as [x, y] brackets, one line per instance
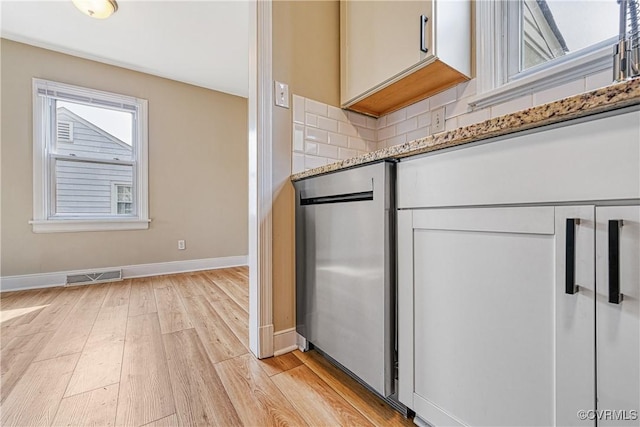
[337, 198]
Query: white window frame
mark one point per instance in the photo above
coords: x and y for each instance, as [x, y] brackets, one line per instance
[44, 219]
[492, 49]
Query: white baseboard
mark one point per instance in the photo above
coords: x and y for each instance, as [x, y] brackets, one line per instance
[266, 341]
[284, 341]
[301, 343]
[143, 270]
[58, 278]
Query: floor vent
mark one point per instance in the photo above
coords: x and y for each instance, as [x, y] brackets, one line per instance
[96, 277]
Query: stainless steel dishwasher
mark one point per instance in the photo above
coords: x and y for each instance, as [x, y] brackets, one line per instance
[345, 271]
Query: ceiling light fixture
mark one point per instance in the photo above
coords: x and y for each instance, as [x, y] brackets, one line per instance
[99, 9]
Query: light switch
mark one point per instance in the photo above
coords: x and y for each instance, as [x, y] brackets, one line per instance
[281, 94]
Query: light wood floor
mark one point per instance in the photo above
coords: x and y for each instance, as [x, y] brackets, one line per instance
[162, 351]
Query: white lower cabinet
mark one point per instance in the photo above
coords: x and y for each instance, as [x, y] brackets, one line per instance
[512, 256]
[617, 325]
[504, 311]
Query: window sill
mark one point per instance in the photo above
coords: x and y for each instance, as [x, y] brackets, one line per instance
[77, 225]
[581, 67]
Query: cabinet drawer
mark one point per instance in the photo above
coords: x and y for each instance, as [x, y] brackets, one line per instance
[592, 160]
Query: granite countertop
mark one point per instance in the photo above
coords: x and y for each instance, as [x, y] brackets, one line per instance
[605, 99]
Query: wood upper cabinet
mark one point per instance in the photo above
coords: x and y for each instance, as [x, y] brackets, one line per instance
[395, 53]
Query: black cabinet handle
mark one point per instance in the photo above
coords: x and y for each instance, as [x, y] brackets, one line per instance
[615, 297]
[423, 33]
[570, 254]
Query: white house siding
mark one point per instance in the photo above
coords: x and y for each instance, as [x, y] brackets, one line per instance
[85, 187]
[542, 38]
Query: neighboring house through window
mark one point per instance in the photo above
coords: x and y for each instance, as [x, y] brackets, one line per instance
[530, 45]
[90, 159]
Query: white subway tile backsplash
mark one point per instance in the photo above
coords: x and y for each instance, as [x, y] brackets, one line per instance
[311, 120]
[357, 144]
[418, 134]
[386, 133]
[325, 150]
[598, 80]
[512, 106]
[357, 119]
[400, 139]
[347, 129]
[315, 107]
[456, 108]
[327, 124]
[318, 135]
[451, 124]
[365, 133]
[372, 123]
[346, 153]
[443, 98]
[310, 147]
[337, 139]
[297, 163]
[424, 120]
[467, 89]
[311, 162]
[396, 116]
[338, 134]
[407, 125]
[473, 117]
[373, 146]
[298, 109]
[420, 107]
[298, 137]
[326, 133]
[338, 114]
[553, 94]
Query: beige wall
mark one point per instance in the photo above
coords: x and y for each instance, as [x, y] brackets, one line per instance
[306, 55]
[198, 184]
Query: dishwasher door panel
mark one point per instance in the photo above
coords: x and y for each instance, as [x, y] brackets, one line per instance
[344, 270]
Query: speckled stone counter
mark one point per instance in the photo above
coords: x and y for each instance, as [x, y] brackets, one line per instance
[605, 99]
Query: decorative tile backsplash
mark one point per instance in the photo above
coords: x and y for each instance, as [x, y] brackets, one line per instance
[323, 134]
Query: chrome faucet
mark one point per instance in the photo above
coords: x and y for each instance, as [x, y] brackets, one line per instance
[626, 53]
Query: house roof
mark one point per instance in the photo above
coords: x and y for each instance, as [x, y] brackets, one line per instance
[548, 16]
[94, 127]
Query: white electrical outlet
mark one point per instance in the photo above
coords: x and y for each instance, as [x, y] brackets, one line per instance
[281, 94]
[437, 120]
[182, 245]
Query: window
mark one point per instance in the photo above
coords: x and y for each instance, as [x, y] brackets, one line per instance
[532, 45]
[545, 30]
[122, 199]
[99, 182]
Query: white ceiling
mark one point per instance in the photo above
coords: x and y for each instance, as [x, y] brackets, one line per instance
[204, 43]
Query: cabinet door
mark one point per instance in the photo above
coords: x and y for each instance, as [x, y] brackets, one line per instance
[575, 315]
[618, 323]
[380, 39]
[489, 312]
